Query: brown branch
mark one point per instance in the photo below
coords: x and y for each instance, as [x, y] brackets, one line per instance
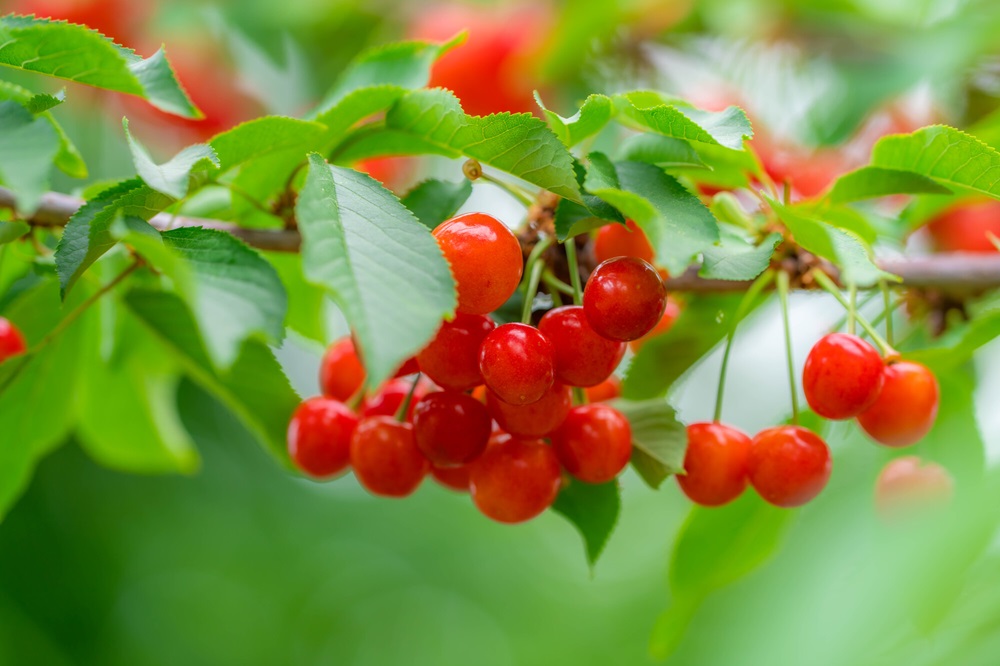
[955, 271]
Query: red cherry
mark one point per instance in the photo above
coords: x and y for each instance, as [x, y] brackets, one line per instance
[964, 226]
[485, 259]
[11, 341]
[905, 408]
[385, 457]
[624, 298]
[594, 443]
[389, 397]
[908, 486]
[628, 240]
[319, 436]
[842, 376]
[409, 367]
[453, 478]
[515, 480]
[451, 428]
[517, 363]
[609, 389]
[789, 465]
[671, 312]
[582, 357]
[452, 357]
[716, 464]
[341, 373]
[394, 172]
[535, 419]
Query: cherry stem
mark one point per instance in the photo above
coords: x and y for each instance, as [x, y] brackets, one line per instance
[852, 312]
[888, 308]
[405, 407]
[824, 281]
[574, 270]
[579, 396]
[551, 280]
[473, 170]
[533, 268]
[742, 309]
[783, 296]
[865, 300]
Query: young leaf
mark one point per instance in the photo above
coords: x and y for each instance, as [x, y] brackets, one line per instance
[262, 137]
[870, 182]
[434, 201]
[592, 117]
[171, 178]
[383, 268]
[733, 258]
[432, 121]
[664, 151]
[658, 439]
[75, 53]
[593, 510]
[727, 128]
[28, 148]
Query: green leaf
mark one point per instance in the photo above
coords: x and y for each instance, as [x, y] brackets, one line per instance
[716, 547]
[11, 231]
[434, 201]
[74, 53]
[28, 148]
[870, 182]
[593, 116]
[727, 128]
[88, 236]
[306, 313]
[733, 258]
[254, 388]
[262, 137]
[658, 439]
[382, 267]
[68, 159]
[432, 121]
[572, 219]
[958, 344]
[593, 510]
[171, 178]
[663, 151]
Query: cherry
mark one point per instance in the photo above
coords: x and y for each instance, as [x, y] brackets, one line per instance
[842, 376]
[11, 341]
[908, 486]
[319, 436]
[451, 359]
[394, 172]
[451, 428]
[535, 419]
[609, 389]
[385, 457]
[515, 480]
[671, 312]
[594, 443]
[964, 227]
[485, 260]
[716, 464]
[789, 465]
[389, 397]
[628, 240]
[905, 408]
[341, 373]
[582, 357]
[409, 367]
[453, 478]
[624, 298]
[517, 363]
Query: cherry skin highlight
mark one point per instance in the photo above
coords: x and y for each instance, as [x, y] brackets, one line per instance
[341, 373]
[716, 464]
[451, 428]
[616, 240]
[485, 260]
[516, 361]
[535, 419]
[789, 465]
[319, 437]
[515, 480]
[905, 408]
[842, 376]
[385, 457]
[594, 443]
[582, 357]
[11, 341]
[671, 312]
[624, 299]
[452, 357]
[909, 487]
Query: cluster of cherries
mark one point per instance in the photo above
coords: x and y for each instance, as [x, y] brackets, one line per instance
[491, 411]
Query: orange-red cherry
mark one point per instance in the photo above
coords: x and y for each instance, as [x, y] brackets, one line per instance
[453, 478]
[908, 487]
[789, 465]
[842, 376]
[451, 428]
[451, 359]
[11, 341]
[716, 464]
[535, 419]
[341, 373]
[485, 259]
[515, 480]
[624, 299]
[582, 357]
[905, 408]
[628, 240]
[516, 361]
[594, 443]
[319, 436]
[609, 389]
[385, 457]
